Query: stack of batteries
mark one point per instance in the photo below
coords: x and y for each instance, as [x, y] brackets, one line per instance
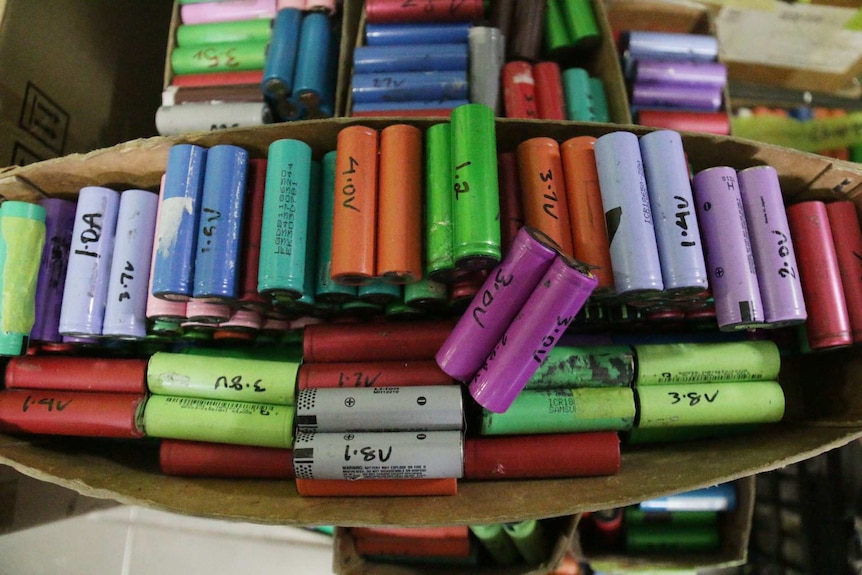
[528, 541]
[541, 90]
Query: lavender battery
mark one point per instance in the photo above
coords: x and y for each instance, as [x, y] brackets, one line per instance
[496, 304]
[86, 287]
[59, 220]
[774, 256]
[537, 328]
[683, 268]
[647, 71]
[668, 95]
[126, 307]
[729, 257]
[633, 247]
[643, 44]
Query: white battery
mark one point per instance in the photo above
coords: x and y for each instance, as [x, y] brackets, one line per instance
[209, 116]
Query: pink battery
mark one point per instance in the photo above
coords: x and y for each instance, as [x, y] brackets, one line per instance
[198, 311]
[227, 10]
[537, 328]
[244, 320]
[394, 11]
[295, 4]
[158, 308]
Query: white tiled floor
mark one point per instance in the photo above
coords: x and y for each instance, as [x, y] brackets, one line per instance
[126, 540]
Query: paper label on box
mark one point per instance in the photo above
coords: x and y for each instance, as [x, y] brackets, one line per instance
[802, 36]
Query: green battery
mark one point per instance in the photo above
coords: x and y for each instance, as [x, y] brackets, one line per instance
[581, 23]
[227, 57]
[219, 421]
[563, 411]
[439, 258]
[588, 366]
[557, 36]
[427, 294]
[255, 30]
[696, 404]
[633, 516]
[706, 362]
[229, 378]
[641, 436]
[399, 311]
[671, 538]
[576, 89]
[856, 153]
[474, 187]
[327, 290]
[531, 540]
[496, 542]
[599, 99]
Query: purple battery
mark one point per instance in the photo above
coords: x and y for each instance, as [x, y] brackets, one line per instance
[496, 303]
[59, 221]
[683, 269]
[157, 308]
[539, 325]
[774, 256]
[667, 95]
[729, 257]
[126, 308]
[86, 287]
[680, 73]
[634, 251]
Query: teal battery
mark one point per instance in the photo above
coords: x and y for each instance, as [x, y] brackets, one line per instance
[284, 233]
[599, 99]
[176, 236]
[409, 58]
[380, 292]
[281, 54]
[313, 63]
[217, 261]
[585, 366]
[307, 299]
[578, 95]
[326, 290]
[407, 86]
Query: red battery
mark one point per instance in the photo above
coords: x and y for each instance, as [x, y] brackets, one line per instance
[550, 102]
[203, 459]
[371, 374]
[847, 238]
[547, 455]
[412, 545]
[392, 11]
[683, 121]
[465, 289]
[376, 487]
[828, 323]
[251, 226]
[79, 413]
[77, 374]
[374, 341]
[511, 211]
[519, 92]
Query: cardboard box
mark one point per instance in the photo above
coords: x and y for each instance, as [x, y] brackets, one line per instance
[78, 75]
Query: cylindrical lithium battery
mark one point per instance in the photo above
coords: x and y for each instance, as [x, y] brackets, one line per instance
[126, 307]
[280, 60]
[379, 292]
[313, 62]
[203, 459]
[677, 234]
[439, 258]
[499, 300]
[637, 516]
[500, 15]
[476, 197]
[588, 366]
[208, 116]
[429, 11]
[426, 295]
[59, 221]
[407, 86]
[525, 37]
[772, 244]
[247, 30]
[724, 403]
[643, 44]
[88, 273]
[217, 259]
[531, 539]
[199, 13]
[375, 341]
[590, 242]
[599, 100]
[847, 238]
[284, 234]
[361, 374]
[628, 216]
[219, 421]
[252, 223]
[564, 411]
[378, 455]
[487, 56]
[756, 360]
[408, 408]
[354, 238]
[326, 290]
[702, 98]
[729, 257]
[682, 120]
[828, 322]
[671, 539]
[721, 497]
[401, 34]
[550, 102]
[409, 58]
[218, 57]
[519, 90]
[202, 311]
[542, 320]
[558, 42]
[511, 210]
[161, 309]
[543, 190]
[581, 23]
[576, 89]
[493, 538]
[683, 73]
[111, 375]
[179, 213]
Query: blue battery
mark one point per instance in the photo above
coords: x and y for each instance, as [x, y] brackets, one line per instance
[409, 105]
[404, 86]
[220, 226]
[313, 61]
[680, 248]
[126, 307]
[283, 236]
[403, 34]
[409, 58]
[280, 60]
[634, 252]
[642, 44]
[721, 497]
[176, 237]
[327, 290]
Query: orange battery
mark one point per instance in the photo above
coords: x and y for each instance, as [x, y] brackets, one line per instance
[371, 374]
[543, 190]
[411, 546]
[354, 218]
[399, 210]
[586, 213]
[376, 487]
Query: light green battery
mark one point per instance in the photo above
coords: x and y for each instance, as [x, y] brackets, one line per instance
[581, 23]
[576, 91]
[671, 538]
[474, 188]
[227, 378]
[634, 516]
[255, 30]
[22, 238]
[439, 258]
[530, 539]
[698, 404]
[219, 421]
[496, 542]
[563, 411]
[707, 362]
[588, 366]
[557, 36]
[227, 57]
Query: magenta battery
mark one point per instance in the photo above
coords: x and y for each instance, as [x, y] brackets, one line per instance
[847, 238]
[628, 215]
[729, 257]
[161, 309]
[828, 322]
[496, 304]
[437, 11]
[677, 234]
[772, 245]
[86, 287]
[537, 328]
[59, 221]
